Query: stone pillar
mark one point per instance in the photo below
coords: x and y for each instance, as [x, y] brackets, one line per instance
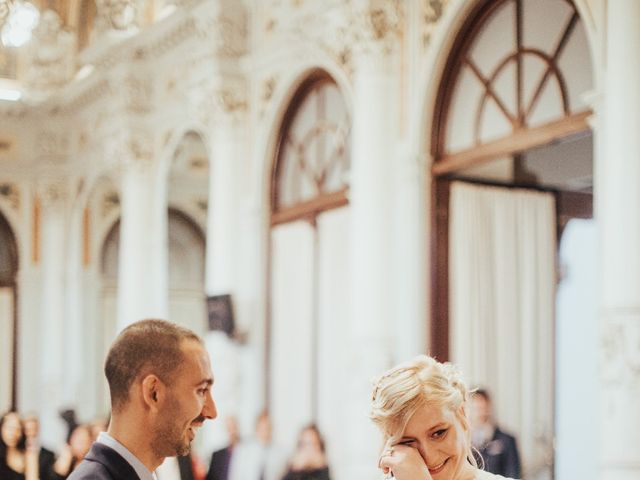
[617, 198]
[53, 195]
[410, 256]
[142, 264]
[370, 201]
[221, 275]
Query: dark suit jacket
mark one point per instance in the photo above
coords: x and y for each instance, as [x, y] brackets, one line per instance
[46, 459]
[219, 467]
[500, 455]
[186, 468]
[104, 463]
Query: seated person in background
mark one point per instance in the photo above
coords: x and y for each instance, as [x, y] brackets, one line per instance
[16, 462]
[420, 408]
[74, 451]
[46, 458]
[498, 448]
[309, 461]
[259, 458]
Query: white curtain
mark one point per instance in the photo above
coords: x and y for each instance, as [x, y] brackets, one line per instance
[292, 297]
[502, 254]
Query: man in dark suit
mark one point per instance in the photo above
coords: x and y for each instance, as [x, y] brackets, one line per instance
[160, 381]
[498, 449]
[220, 465]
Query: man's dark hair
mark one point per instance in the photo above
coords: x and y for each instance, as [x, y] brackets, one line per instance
[484, 393]
[145, 347]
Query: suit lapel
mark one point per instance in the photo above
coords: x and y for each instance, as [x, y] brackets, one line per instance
[117, 466]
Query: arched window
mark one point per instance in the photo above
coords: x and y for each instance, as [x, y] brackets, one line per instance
[312, 160]
[309, 266]
[516, 79]
[515, 83]
[511, 112]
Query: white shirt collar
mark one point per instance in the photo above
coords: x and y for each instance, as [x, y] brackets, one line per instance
[142, 471]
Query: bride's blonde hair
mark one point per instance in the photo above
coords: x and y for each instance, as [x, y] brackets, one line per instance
[404, 389]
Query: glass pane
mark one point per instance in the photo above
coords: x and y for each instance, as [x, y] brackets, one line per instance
[314, 159]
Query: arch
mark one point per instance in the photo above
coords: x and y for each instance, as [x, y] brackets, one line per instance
[9, 250]
[299, 186]
[462, 81]
[267, 139]
[432, 67]
[175, 136]
[9, 265]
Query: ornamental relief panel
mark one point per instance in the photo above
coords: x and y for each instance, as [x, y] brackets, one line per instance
[620, 348]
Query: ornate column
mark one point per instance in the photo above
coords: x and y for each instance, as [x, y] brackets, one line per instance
[370, 200]
[142, 264]
[410, 256]
[223, 228]
[617, 197]
[53, 195]
[77, 351]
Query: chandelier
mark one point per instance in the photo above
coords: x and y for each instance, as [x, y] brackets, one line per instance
[18, 18]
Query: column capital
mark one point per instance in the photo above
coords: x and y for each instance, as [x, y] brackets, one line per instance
[53, 191]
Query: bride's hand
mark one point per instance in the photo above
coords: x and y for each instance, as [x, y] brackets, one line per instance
[404, 462]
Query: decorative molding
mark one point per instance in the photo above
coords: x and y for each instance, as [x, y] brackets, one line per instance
[89, 95]
[11, 193]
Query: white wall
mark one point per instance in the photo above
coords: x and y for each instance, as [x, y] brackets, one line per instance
[577, 437]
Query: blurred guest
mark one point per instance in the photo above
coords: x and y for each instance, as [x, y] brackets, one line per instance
[309, 461]
[69, 418]
[16, 462]
[497, 448]
[74, 451]
[46, 458]
[221, 459]
[98, 425]
[259, 458]
[185, 467]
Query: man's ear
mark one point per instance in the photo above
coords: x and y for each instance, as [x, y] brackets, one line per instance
[152, 391]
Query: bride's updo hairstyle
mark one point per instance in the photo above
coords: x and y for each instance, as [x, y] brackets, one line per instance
[421, 382]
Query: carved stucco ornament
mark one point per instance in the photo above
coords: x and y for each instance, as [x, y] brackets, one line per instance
[431, 12]
[50, 55]
[375, 25]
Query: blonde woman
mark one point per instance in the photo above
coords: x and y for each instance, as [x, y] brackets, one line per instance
[420, 407]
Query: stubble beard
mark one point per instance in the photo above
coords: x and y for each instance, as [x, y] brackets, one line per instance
[171, 438]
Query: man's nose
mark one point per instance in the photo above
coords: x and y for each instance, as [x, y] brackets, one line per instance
[209, 409]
